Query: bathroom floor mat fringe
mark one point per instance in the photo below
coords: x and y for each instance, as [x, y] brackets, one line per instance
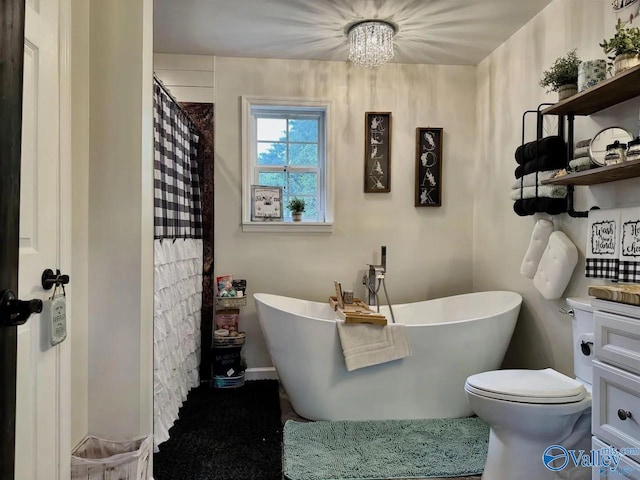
[386, 449]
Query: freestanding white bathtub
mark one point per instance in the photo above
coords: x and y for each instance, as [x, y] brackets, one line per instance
[450, 338]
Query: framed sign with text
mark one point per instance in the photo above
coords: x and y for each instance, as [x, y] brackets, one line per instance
[428, 189]
[377, 152]
[266, 204]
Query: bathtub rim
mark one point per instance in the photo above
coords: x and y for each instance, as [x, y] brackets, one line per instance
[515, 302]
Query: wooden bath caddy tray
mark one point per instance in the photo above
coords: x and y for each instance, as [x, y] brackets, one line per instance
[357, 312]
[629, 294]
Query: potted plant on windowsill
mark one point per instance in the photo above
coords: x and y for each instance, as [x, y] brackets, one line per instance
[296, 205]
[623, 49]
[562, 77]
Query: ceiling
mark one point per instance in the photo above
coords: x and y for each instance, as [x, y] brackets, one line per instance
[454, 32]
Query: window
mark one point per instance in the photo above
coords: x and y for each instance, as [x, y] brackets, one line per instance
[285, 145]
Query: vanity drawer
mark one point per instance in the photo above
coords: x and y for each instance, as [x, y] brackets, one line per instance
[614, 393]
[627, 469]
[617, 340]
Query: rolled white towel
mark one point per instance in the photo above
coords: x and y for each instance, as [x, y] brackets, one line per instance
[581, 152]
[529, 180]
[580, 164]
[545, 191]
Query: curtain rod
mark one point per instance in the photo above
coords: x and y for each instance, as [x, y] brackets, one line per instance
[180, 107]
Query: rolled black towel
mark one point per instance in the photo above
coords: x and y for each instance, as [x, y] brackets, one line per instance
[518, 207]
[529, 206]
[520, 154]
[552, 145]
[546, 162]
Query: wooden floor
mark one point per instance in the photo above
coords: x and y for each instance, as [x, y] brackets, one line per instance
[287, 413]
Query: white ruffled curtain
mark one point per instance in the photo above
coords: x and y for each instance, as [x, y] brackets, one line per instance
[177, 314]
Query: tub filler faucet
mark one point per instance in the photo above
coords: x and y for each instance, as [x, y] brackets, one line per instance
[376, 272]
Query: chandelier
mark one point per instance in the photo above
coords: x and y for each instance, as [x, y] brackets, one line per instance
[371, 43]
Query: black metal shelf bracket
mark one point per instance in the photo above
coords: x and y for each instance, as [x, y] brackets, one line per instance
[570, 138]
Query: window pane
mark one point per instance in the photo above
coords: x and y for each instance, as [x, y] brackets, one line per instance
[310, 209]
[303, 183]
[272, 153]
[303, 130]
[303, 154]
[271, 179]
[272, 129]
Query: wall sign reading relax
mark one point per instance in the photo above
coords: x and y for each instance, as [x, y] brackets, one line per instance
[377, 152]
[428, 191]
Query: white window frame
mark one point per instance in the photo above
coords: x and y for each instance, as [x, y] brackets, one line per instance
[249, 154]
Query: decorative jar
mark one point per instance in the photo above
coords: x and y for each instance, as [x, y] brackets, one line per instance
[633, 150]
[615, 153]
[590, 73]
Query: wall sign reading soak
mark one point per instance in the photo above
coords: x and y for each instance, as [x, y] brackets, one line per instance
[428, 189]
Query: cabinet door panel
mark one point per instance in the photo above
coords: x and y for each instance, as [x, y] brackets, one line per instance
[617, 340]
[615, 390]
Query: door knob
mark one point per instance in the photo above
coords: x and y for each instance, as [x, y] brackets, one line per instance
[14, 312]
[49, 279]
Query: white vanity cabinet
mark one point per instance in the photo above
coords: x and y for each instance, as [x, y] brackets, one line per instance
[616, 385]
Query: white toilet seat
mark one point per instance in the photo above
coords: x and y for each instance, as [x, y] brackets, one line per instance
[527, 386]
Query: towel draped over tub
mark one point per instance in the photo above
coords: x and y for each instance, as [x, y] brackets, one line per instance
[364, 345]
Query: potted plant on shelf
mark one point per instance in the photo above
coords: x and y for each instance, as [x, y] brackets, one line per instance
[562, 77]
[623, 49]
[296, 205]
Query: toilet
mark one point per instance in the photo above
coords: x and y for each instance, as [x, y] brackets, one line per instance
[530, 410]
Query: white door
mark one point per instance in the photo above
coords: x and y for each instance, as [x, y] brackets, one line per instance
[40, 415]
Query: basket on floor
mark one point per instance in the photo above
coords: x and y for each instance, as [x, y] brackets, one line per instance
[99, 459]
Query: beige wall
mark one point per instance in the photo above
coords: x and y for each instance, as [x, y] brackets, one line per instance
[80, 214]
[429, 249]
[190, 78]
[120, 219]
[507, 86]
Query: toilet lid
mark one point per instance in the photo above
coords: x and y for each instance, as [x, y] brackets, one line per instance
[527, 386]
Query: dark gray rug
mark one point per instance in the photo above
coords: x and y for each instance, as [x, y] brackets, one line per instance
[225, 434]
[385, 449]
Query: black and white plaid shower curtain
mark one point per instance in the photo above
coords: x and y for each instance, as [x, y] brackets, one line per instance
[178, 212]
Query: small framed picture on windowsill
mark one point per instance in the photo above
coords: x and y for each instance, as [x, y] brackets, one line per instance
[266, 204]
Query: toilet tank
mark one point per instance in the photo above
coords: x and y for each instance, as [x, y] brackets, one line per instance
[582, 313]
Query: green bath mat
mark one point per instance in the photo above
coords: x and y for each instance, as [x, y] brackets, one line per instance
[385, 449]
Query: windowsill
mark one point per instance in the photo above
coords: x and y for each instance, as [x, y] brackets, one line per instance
[278, 227]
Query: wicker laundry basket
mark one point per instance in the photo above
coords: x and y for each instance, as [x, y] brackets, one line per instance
[100, 459]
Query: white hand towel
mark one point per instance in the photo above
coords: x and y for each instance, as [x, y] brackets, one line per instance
[629, 270]
[529, 180]
[603, 244]
[537, 245]
[364, 345]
